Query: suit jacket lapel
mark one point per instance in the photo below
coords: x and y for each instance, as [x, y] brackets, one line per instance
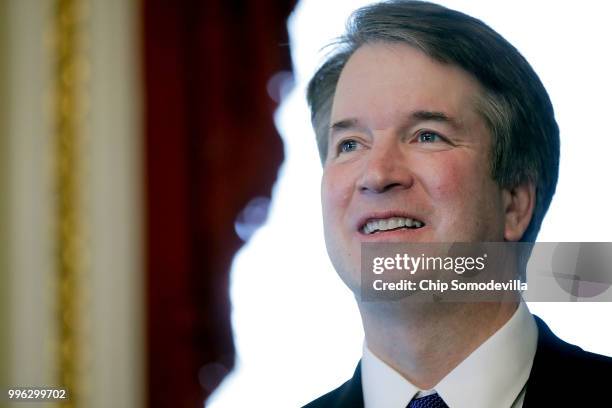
[351, 392]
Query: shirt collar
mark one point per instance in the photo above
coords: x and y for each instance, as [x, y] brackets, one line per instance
[506, 357]
[382, 385]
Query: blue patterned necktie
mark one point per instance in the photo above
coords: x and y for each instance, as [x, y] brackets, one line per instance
[430, 401]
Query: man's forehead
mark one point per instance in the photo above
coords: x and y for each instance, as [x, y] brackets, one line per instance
[385, 83]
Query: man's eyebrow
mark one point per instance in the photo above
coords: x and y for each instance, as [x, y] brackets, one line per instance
[416, 116]
[435, 116]
[344, 124]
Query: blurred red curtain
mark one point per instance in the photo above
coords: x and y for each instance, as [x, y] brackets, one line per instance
[211, 146]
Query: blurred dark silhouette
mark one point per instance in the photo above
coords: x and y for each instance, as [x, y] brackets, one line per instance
[211, 147]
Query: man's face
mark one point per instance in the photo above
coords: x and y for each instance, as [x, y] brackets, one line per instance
[408, 157]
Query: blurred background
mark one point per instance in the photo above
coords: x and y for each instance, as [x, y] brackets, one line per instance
[160, 228]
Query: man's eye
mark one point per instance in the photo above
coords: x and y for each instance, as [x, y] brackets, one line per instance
[347, 146]
[429, 137]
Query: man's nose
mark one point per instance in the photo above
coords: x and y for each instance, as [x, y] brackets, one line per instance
[387, 168]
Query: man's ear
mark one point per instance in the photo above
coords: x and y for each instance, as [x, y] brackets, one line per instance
[519, 203]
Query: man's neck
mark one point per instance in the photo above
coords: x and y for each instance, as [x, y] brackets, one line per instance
[425, 341]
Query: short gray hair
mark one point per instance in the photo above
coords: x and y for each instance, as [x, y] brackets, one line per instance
[514, 104]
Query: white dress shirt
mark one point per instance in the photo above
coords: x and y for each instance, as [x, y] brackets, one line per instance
[494, 375]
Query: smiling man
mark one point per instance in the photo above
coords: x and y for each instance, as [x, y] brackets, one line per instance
[433, 128]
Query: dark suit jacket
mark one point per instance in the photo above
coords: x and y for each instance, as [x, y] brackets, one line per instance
[563, 375]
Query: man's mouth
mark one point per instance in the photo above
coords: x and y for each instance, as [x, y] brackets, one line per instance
[377, 225]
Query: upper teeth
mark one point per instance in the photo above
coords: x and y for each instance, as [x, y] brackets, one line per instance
[390, 223]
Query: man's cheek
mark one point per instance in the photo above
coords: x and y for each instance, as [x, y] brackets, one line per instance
[331, 208]
[447, 180]
[335, 194]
